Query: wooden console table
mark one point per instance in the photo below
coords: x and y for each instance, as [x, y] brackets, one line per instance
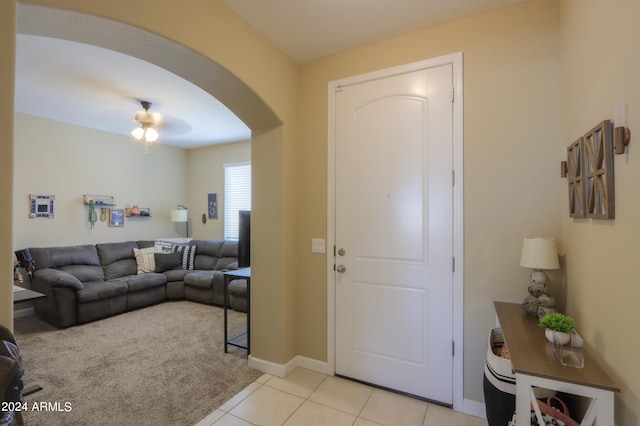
[535, 364]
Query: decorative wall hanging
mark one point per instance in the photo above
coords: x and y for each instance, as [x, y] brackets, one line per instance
[213, 206]
[598, 171]
[41, 206]
[116, 217]
[575, 179]
[589, 172]
[99, 200]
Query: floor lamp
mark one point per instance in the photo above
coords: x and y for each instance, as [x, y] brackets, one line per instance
[181, 214]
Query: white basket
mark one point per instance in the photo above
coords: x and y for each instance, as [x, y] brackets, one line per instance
[499, 371]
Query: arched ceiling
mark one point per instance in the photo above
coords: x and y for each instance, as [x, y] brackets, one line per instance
[92, 72]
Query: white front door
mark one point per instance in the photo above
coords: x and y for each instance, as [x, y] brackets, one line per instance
[394, 232]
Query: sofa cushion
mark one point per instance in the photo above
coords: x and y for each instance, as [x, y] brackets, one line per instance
[202, 279]
[82, 261]
[176, 274]
[167, 261]
[145, 260]
[207, 255]
[117, 259]
[93, 291]
[144, 281]
[188, 254]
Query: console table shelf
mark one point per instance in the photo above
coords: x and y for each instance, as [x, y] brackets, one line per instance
[535, 365]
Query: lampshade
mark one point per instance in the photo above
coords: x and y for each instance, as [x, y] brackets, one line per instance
[539, 253]
[149, 134]
[181, 215]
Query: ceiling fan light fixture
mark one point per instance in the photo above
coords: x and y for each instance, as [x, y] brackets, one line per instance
[137, 133]
[146, 131]
[151, 135]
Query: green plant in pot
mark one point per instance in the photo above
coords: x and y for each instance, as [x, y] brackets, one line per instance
[559, 325]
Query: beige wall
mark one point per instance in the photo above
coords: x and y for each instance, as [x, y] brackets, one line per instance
[512, 134]
[515, 92]
[7, 51]
[211, 29]
[600, 66]
[53, 158]
[206, 176]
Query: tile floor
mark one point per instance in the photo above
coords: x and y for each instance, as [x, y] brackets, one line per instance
[308, 398]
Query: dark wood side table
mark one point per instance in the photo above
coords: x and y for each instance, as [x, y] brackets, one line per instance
[535, 365]
[238, 274]
[21, 294]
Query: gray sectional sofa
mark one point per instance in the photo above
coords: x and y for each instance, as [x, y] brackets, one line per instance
[89, 282]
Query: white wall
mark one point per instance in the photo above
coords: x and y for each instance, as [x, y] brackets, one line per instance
[53, 158]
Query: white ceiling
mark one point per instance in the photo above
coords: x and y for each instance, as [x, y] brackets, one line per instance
[94, 87]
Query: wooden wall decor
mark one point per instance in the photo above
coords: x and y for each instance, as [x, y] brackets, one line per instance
[598, 172]
[575, 178]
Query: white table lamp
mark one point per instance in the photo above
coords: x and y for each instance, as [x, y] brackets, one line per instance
[181, 215]
[539, 254]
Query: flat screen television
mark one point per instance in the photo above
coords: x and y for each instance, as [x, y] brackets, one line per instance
[244, 239]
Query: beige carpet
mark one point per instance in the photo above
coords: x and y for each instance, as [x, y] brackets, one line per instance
[159, 365]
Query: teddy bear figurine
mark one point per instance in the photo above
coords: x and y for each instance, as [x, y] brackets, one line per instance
[546, 306]
[538, 302]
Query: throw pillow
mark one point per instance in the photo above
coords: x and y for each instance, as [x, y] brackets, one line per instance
[145, 260]
[188, 254]
[168, 261]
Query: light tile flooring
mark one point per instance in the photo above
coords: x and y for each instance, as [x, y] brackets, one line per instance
[308, 398]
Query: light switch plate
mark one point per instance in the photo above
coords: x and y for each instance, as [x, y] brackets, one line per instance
[318, 245]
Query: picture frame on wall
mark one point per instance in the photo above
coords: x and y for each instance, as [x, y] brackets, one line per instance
[212, 206]
[41, 206]
[598, 172]
[116, 217]
[575, 178]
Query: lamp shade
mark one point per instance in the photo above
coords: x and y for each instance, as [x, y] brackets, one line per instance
[179, 215]
[539, 253]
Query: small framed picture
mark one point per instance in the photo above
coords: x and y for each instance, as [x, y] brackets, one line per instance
[212, 202]
[116, 217]
[41, 206]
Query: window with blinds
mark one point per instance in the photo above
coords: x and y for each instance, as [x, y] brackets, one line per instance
[237, 196]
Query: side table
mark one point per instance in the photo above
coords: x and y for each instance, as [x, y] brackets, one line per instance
[535, 365]
[239, 274]
[21, 294]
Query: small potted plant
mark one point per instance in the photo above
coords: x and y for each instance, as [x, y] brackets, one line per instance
[559, 325]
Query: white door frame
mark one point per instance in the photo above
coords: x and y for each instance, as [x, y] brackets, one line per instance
[455, 59]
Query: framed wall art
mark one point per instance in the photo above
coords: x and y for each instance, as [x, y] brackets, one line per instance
[41, 206]
[212, 203]
[116, 217]
[598, 172]
[575, 179]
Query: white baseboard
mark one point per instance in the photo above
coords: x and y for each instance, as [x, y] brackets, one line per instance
[470, 407]
[281, 370]
[23, 313]
[474, 408]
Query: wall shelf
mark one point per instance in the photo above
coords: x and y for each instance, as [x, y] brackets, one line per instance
[144, 212]
[99, 200]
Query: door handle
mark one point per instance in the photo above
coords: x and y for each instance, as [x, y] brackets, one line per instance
[341, 269]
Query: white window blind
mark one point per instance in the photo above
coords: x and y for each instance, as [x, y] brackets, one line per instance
[237, 196]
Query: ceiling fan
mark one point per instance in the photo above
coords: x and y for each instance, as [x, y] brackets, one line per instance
[147, 121]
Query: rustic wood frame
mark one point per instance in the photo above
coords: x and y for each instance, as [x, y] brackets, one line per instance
[575, 179]
[598, 172]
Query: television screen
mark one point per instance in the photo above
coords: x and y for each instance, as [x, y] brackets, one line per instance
[244, 239]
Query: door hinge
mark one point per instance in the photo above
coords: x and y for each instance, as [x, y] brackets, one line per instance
[453, 94]
[453, 178]
[453, 348]
[453, 264]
